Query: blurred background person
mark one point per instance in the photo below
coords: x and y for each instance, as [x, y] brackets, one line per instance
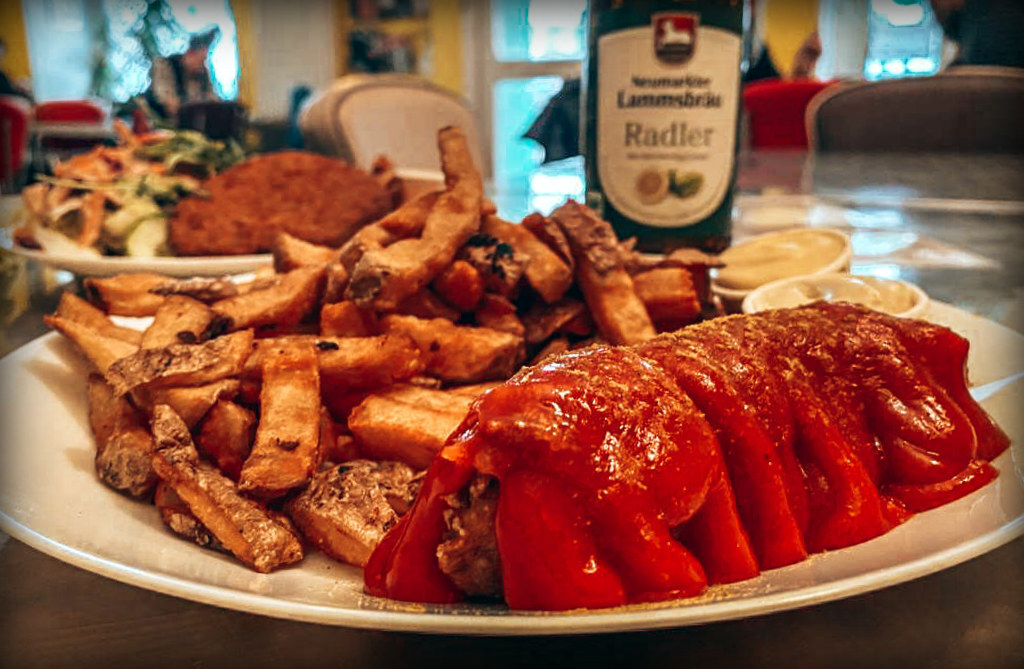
[183, 77]
[8, 86]
[987, 32]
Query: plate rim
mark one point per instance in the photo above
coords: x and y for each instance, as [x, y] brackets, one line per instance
[502, 622]
[171, 265]
[629, 618]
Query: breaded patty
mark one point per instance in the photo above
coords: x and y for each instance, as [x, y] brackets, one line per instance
[309, 196]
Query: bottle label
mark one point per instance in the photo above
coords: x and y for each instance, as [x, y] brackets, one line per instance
[666, 118]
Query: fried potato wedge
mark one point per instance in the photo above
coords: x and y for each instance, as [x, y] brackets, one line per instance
[284, 303]
[346, 319]
[124, 446]
[406, 221]
[669, 295]
[546, 272]
[546, 230]
[607, 287]
[459, 353]
[354, 363]
[444, 401]
[182, 364]
[335, 282]
[347, 510]
[291, 253]
[226, 435]
[473, 390]
[100, 350]
[409, 425]
[287, 447]
[244, 526]
[554, 347]
[75, 309]
[178, 519]
[544, 320]
[426, 304]
[179, 320]
[204, 289]
[192, 402]
[498, 313]
[384, 277]
[460, 285]
[126, 294]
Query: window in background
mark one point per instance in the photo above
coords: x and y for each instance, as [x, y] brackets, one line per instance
[904, 40]
[531, 47]
[538, 30]
[137, 30]
[60, 37]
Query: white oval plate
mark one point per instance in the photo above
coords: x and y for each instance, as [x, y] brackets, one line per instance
[51, 500]
[183, 266]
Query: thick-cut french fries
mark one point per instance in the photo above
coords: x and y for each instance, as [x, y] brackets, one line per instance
[287, 447]
[204, 289]
[126, 294]
[192, 402]
[346, 319]
[245, 527]
[284, 303]
[546, 272]
[346, 510]
[498, 313]
[226, 435]
[425, 304]
[669, 295]
[291, 253]
[460, 285]
[459, 353]
[335, 283]
[384, 277]
[100, 350]
[500, 265]
[377, 349]
[75, 309]
[179, 320]
[554, 347]
[406, 221]
[607, 288]
[124, 447]
[355, 363]
[544, 320]
[546, 230]
[409, 424]
[178, 519]
[182, 364]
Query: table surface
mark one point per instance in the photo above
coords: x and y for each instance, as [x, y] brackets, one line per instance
[953, 224]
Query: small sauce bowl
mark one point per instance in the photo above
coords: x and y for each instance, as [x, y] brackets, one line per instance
[775, 256]
[897, 298]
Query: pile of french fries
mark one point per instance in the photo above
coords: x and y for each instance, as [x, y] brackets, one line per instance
[299, 407]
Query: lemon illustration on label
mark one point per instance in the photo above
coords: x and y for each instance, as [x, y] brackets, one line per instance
[652, 186]
[685, 184]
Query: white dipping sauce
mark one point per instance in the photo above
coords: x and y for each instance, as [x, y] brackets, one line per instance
[892, 297]
[775, 256]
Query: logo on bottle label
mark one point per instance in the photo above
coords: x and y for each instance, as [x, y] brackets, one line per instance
[675, 37]
[666, 119]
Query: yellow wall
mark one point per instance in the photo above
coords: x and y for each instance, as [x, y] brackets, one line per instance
[787, 25]
[12, 30]
[247, 65]
[440, 33]
[446, 33]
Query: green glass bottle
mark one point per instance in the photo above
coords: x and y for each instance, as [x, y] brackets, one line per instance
[660, 118]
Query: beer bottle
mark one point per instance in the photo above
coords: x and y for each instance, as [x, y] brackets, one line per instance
[660, 118]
